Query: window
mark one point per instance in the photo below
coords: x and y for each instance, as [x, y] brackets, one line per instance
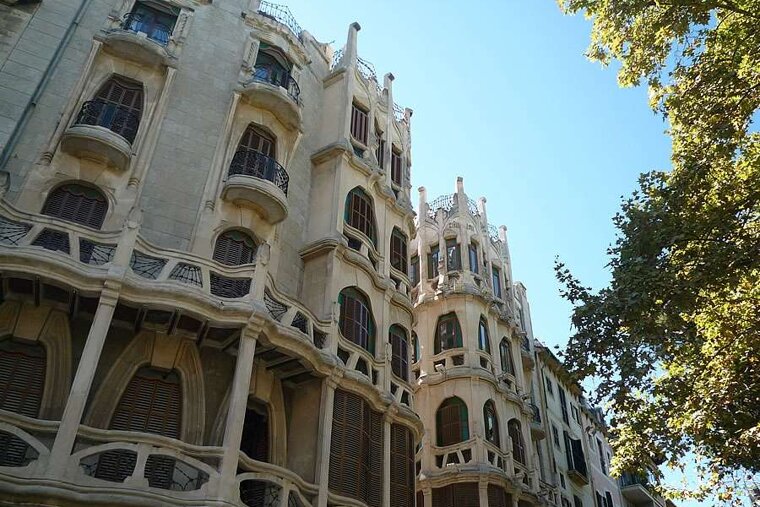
[496, 278]
[463, 494]
[396, 173]
[359, 123]
[414, 272]
[234, 248]
[574, 412]
[484, 343]
[491, 423]
[549, 387]
[448, 334]
[399, 352]
[359, 213]
[402, 466]
[507, 364]
[602, 464]
[255, 154]
[398, 250]
[453, 256]
[574, 453]
[565, 501]
[415, 348]
[77, 203]
[608, 497]
[451, 422]
[577, 501]
[515, 435]
[563, 404]
[155, 20]
[473, 257]
[356, 450]
[380, 150]
[356, 322]
[433, 258]
[555, 435]
[22, 377]
[255, 439]
[272, 67]
[116, 107]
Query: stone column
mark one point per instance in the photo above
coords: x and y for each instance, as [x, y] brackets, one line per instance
[483, 493]
[387, 417]
[322, 472]
[233, 430]
[427, 497]
[388, 85]
[421, 240]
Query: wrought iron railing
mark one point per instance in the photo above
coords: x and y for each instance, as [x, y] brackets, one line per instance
[337, 57]
[116, 118]
[445, 202]
[138, 23]
[367, 70]
[493, 233]
[275, 75]
[398, 112]
[281, 14]
[250, 162]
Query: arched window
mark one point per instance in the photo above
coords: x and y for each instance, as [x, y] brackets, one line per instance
[484, 343]
[398, 250]
[117, 106]
[451, 423]
[491, 423]
[151, 403]
[515, 435]
[255, 154]
[415, 347]
[399, 352]
[356, 322]
[255, 441]
[448, 334]
[22, 377]
[271, 66]
[77, 203]
[359, 213]
[507, 365]
[234, 248]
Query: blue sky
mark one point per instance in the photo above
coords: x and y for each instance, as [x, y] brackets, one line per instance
[503, 96]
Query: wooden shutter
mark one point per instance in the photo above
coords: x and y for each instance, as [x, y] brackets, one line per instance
[399, 352]
[22, 378]
[457, 495]
[451, 422]
[359, 124]
[497, 497]
[122, 93]
[398, 250]
[234, 248]
[359, 213]
[355, 319]
[78, 204]
[402, 466]
[151, 403]
[515, 434]
[380, 150]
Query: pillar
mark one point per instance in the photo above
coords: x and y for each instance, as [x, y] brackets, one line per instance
[483, 493]
[322, 472]
[387, 456]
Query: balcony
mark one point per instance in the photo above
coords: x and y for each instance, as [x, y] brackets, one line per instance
[103, 131]
[259, 181]
[140, 39]
[525, 352]
[636, 490]
[274, 89]
[536, 425]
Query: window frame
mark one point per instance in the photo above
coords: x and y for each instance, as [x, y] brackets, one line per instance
[472, 255]
[433, 257]
[453, 255]
[484, 337]
[397, 337]
[222, 257]
[505, 355]
[496, 281]
[444, 435]
[397, 173]
[490, 415]
[359, 127]
[361, 303]
[359, 213]
[514, 429]
[399, 250]
[456, 331]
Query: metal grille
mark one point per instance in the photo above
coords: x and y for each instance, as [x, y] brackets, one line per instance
[12, 232]
[112, 466]
[229, 287]
[166, 472]
[259, 494]
[50, 239]
[250, 162]
[301, 323]
[22, 377]
[402, 466]
[445, 202]
[95, 254]
[276, 309]
[187, 273]
[281, 14]
[146, 266]
[14, 452]
[78, 204]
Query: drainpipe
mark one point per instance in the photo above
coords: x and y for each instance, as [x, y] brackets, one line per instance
[41, 85]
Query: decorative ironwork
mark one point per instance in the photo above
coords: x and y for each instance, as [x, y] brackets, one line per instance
[250, 162]
[166, 472]
[95, 254]
[281, 14]
[367, 70]
[273, 74]
[116, 118]
[493, 233]
[12, 232]
[187, 273]
[337, 58]
[146, 266]
[301, 323]
[113, 466]
[140, 22]
[320, 339]
[276, 309]
[445, 202]
[53, 240]
[472, 207]
[225, 287]
[398, 112]
[14, 452]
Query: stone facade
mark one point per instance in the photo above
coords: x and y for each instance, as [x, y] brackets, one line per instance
[215, 290]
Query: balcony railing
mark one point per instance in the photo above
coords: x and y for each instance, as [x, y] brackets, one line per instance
[250, 162]
[139, 23]
[629, 479]
[281, 14]
[116, 118]
[275, 75]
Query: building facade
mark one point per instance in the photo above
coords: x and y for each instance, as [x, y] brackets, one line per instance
[214, 289]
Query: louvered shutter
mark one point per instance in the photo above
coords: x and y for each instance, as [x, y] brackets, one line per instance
[402, 466]
[22, 378]
[359, 124]
[457, 495]
[399, 353]
[355, 320]
[373, 481]
[359, 213]
[78, 204]
[151, 403]
[497, 497]
[234, 248]
[451, 421]
[515, 434]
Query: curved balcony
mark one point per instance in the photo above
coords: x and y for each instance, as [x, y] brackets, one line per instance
[260, 181]
[140, 39]
[103, 131]
[271, 87]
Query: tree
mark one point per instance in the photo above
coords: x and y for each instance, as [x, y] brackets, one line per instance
[674, 339]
